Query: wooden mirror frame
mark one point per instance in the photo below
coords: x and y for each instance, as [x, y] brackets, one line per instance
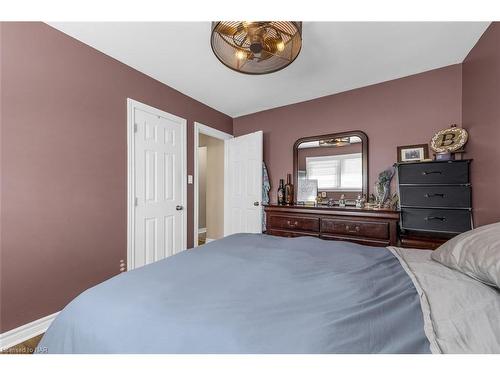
[355, 133]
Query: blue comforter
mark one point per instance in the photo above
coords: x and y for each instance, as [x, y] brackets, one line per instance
[250, 293]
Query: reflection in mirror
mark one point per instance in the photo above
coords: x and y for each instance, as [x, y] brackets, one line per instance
[329, 168]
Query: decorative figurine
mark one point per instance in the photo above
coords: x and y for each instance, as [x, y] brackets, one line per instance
[383, 186]
[342, 201]
[360, 201]
[393, 202]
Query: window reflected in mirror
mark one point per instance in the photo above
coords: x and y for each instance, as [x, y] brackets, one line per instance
[328, 168]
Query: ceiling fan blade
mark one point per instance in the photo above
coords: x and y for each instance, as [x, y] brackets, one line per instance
[271, 44]
[228, 29]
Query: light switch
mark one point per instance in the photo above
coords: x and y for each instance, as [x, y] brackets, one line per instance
[190, 179]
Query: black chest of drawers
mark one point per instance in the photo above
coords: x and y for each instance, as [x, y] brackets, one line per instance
[435, 198]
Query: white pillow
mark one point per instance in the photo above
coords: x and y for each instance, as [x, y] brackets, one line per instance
[475, 253]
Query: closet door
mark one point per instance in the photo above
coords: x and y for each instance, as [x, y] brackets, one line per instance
[243, 184]
[157, 178]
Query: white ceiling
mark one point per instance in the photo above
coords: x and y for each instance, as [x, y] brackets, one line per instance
[335, 57]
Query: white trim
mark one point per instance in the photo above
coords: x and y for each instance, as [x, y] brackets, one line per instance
[211, 132]
[25, 332]
[131, 105]
[130, 183]
[209, 240]
[226, 184]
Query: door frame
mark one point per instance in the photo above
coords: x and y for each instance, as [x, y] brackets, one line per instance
[199, 128]
[131, 105]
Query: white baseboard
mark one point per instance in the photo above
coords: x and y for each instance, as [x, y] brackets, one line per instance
[25, 332]
[202, 230]
[207, 240]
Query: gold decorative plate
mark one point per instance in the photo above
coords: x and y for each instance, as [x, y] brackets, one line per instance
[449, 140]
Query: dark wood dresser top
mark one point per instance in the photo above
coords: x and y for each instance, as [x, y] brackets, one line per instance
[369, 226]
[336, 210]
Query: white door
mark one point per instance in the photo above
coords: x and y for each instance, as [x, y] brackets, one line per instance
[243, 184]
[158, 184]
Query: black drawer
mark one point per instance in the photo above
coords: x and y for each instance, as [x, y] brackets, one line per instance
[436, 196]
[440, 220]
[456, 172]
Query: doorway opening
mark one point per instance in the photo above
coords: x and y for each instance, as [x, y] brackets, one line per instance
[208, 184]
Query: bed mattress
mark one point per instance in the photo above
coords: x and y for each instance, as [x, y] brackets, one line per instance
[251, 293]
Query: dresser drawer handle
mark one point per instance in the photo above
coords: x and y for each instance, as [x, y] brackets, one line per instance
[350, 230]
[431, 172]
[434, 195]
[292, 225]
[435, 218]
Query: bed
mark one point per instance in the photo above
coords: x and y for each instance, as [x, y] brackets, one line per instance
[251, 293]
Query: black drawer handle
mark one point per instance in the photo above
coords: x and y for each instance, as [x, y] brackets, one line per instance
[435, 218]
[431, 172]
[434, 195]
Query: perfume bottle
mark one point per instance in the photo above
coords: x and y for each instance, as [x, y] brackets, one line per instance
[281, 192]
[342, 201]
[289, 190]
[360, 202]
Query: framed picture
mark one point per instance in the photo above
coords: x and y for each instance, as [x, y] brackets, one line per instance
[413, 153]
[307, 190]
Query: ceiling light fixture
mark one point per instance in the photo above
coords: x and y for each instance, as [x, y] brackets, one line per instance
[256, 47]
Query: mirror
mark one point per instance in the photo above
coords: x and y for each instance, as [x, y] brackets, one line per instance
[329, 166]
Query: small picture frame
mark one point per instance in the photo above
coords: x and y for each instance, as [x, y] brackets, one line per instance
[307, 191]
[413, 153]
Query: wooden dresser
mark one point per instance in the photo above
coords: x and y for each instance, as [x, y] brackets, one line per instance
[375, 227]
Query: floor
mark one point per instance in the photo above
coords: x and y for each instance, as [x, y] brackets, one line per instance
[26, 347]
[201, 238]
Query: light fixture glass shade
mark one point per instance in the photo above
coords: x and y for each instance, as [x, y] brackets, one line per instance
[256, 47]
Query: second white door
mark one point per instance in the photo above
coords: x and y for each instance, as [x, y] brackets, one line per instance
[243, 184]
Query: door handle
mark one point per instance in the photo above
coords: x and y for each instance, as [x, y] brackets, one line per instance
[179, 208]
[256, 203]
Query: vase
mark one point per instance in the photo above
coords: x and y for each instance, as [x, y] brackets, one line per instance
[382, 192]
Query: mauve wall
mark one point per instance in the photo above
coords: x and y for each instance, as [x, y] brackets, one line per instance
[400, 112]
[481, 117]
[64, 165]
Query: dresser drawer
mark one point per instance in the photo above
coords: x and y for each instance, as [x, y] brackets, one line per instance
[378, 230]
[434, 173]
[440, 220]
[436, 196]
[294, 223]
